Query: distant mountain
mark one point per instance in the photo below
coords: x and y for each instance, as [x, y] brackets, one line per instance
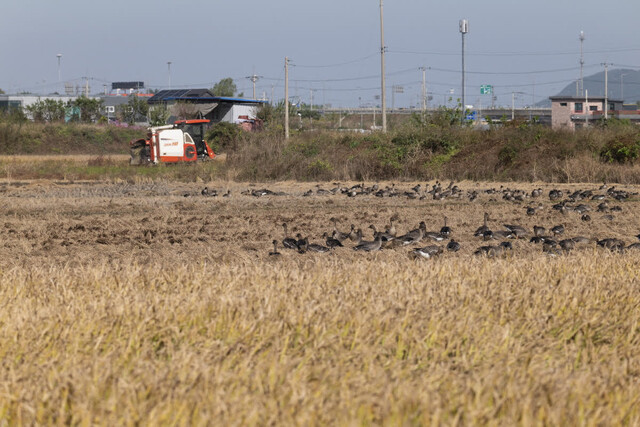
[619, 80]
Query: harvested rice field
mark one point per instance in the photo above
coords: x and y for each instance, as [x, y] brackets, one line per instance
[149, 302]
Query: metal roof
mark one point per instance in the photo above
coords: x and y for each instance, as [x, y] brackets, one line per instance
[197, 95]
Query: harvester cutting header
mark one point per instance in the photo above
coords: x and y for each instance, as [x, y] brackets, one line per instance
[181, 142]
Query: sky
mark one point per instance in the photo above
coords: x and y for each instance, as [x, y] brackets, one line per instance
[525, 50]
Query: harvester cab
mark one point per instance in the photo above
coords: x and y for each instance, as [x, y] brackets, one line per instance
[181, 142]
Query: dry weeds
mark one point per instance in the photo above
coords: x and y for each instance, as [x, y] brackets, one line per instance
[131, 303]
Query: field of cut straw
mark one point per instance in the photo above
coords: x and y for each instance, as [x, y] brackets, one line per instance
[149, 303]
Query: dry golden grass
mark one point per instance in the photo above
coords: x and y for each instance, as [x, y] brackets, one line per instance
[130, 303]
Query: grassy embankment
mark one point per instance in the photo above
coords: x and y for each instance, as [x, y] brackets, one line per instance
[412, 150]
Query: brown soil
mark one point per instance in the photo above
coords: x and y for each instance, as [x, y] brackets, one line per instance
[167, 223]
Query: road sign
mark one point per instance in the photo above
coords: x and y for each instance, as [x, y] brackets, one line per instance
[486, 90]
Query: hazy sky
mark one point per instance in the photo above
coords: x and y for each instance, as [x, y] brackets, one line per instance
[530, 47]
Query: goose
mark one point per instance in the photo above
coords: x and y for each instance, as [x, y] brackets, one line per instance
[356, 237]
[369, 246]
[551, 250]
[453, 246]
[300, 242]
[227, 194]
[480, 230]
[497, 235]
[558, 229]
[339, 235]
[517, 231]
[275, 249]
[585, 218]
[413, 236]
[581, 240]
[493, 251]
[314, 247]
[288, 242]
[446, 230]
[331, 241]
[386, 237]
[612, 244]
[539, 230]
[322, 191]
[567, 244]
[548, 244]
[391, 229]
[438, 237]
[426, 252]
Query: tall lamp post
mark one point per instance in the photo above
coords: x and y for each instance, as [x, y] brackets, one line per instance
[382, 83]
[59, 56]
[169, 67]
[464, 29]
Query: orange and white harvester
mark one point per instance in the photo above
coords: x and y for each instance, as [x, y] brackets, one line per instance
[182, 141]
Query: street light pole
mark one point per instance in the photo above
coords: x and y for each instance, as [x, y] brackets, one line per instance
[286, 97]
[169, 66]
[383, 88]
[59, 56]
[464, 29]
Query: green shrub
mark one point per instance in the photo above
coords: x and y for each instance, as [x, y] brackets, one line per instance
[223, 136]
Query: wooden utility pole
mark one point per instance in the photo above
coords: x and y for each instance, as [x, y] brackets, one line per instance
[286, 97]
[383, 88]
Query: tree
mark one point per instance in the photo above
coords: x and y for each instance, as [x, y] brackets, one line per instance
[47, 110]
[86, 110]
[158, 115]
[2, 92]
[135, 110]
[225, 87]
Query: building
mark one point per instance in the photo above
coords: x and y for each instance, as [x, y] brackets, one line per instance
[571, 112]
[112, 101]
[20, 102]
[202, 103]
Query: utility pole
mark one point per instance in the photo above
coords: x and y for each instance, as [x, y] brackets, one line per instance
[581, 64]
[622, 86]
[586, 108]
[464, 29]
[513, 106]
[383, 88]
[254, 79]
[424, 88]
[286, 97]
[606, 90]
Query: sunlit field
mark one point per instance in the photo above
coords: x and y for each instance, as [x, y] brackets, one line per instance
[147, 302]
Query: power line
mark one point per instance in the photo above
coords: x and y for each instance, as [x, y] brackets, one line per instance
[338, 64]
[408, 52]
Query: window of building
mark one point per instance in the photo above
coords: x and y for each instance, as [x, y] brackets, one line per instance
[612, 107]
[578, 107]
[563, 104]
[593, 108]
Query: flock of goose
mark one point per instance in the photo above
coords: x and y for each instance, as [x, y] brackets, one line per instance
[492, 242]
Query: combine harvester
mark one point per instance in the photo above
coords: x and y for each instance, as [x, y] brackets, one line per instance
[181, 142]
